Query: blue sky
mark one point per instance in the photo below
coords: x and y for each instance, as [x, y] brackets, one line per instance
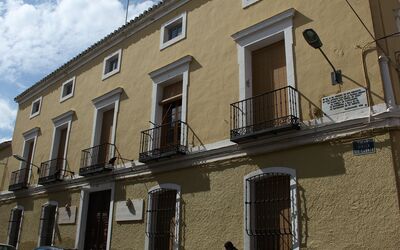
[38, 36]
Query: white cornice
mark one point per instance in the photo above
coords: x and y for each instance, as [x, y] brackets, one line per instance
[286, 15]
[228, 150]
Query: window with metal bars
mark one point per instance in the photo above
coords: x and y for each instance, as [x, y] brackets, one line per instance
[162, 219]
[268, 211]
[47, 223]
[14, 226]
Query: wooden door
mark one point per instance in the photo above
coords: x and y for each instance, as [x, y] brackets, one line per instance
[171, 129]
[24, 175]
[269, 74]
[97, 220]
[61, 151]
[104, 149]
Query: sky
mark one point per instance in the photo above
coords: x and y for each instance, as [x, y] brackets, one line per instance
[38, 36]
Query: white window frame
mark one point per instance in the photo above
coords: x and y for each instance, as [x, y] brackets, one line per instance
[293, 202]
[32, 115]
[30, 135]
[269, 31]
[60, 122]
[20, 226]
[83, 212]
[105, 62]
[66, 97]
[102, 104]
[164, 44]
[247, 3]
[397, 18]
[170, 186]
[170, 74]
[54, 203]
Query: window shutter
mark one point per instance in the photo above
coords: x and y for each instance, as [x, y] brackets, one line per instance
[162, 219]
[269, 225]
[172, 91]
[14, 225]
[47, 225]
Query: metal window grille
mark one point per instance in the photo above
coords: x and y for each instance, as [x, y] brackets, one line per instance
[14, 226]
[47, 223]
[268, 213]
[161, 214]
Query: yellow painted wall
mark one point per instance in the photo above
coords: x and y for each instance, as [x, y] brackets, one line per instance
[5, 168]
[384, 25]
[344, 201]
[64, 234]
[213, 75]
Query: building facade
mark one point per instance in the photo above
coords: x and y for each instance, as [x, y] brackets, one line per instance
[207, 121]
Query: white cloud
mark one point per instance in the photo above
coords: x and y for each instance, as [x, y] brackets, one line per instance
[40, 37]
[7, 117]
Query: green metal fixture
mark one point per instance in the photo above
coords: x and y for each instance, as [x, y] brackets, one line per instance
[314, 41]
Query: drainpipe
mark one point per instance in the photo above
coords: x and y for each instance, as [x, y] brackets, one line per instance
[387, 83]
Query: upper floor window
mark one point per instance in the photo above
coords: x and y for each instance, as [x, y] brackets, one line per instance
[36, 107]
[173, 31]
[67, 90]
[14, 226]
[112, 64]
[47, 224]
[246, 3]
[270, 199]
[163, 217]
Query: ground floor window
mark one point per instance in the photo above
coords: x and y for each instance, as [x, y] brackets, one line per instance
[14, 226]
[163, 219]
[269, 210]
[47, 224]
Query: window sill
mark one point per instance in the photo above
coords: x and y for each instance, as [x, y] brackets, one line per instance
[63, 99]
[34, 115]
[109, 74]
[172, 42]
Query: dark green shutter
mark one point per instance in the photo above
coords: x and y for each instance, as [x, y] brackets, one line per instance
[13, 226]
[47, 225]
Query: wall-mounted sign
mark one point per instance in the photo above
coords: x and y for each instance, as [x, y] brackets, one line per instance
[345, 101]
[130, 210]
[66, 215]
[365, 146]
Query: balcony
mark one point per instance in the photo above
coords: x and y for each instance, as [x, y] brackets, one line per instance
[164, 141]
[51, 171]
[268, 113]
[19, 179]
[97, 159]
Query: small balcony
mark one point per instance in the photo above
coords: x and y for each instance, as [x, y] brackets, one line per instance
[19, 179]
[97, 159]
[51, 171]
[164, 141]
[269, 113]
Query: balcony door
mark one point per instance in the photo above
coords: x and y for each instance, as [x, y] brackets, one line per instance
[104, 150]
[171, 115]
[97, 220]
[269, 74]
[59, 162]
[26, 166]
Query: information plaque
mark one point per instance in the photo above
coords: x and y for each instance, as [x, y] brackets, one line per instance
[345, 101]
[362, 147]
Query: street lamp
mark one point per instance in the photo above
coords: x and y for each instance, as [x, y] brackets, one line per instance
[313, 40]
[19, 158]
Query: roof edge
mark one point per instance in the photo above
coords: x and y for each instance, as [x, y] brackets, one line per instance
[142, 21]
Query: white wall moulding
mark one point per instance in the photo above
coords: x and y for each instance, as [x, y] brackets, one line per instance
[67, 215]
[247, 3]
[129, 210]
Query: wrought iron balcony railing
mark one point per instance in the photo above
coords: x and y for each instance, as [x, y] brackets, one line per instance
[52, 171]
[19, 179]
[97, 159]
[270, 112]
[164, 141]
